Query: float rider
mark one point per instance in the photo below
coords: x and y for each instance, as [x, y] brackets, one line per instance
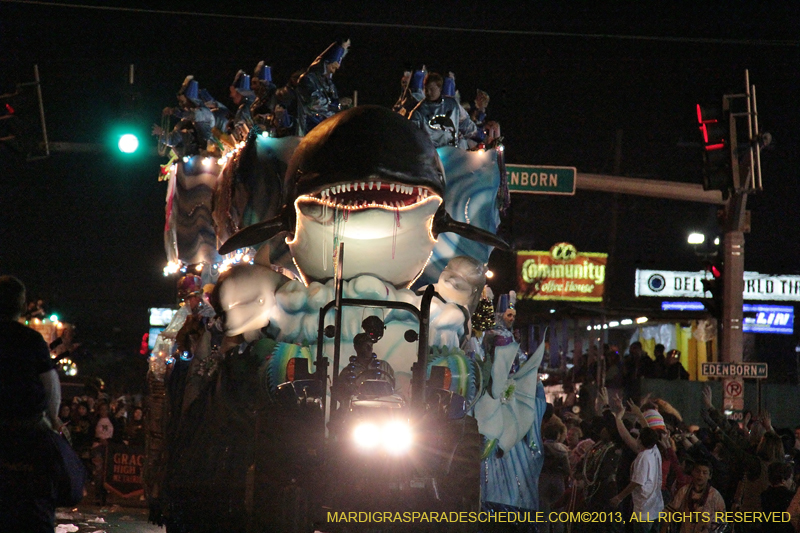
[191, 134]
[442, 117]
[318, 94]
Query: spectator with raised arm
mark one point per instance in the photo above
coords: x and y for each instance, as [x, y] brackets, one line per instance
[645, 483]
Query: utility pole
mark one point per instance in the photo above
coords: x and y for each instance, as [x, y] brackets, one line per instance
[745, 171]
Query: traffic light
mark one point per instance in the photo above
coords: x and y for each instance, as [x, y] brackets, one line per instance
[715, 136]
[714, 285]
[127, 132]
[12, 126]
[128, 143]
[7, 112]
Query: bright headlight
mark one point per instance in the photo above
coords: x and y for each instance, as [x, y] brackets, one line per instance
[397, 437]
[367, 435]
[394, 437]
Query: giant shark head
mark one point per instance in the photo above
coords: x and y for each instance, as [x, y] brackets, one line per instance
[371, 179]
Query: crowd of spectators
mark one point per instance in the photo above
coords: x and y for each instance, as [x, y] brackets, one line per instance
[620, 374]
[643, 460]
[92, 423]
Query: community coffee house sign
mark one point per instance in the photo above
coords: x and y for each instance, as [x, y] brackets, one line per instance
[562, 273]
[677, 284]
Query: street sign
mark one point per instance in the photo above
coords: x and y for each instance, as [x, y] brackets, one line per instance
[541, 179]
[733, 397]
[733, 388]
[738, 370]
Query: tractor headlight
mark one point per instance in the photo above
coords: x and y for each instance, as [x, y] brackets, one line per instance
[367, 435]
[394, 437]
[397, 437]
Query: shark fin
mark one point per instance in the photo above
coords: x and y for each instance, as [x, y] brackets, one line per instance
[443, 223]
[254, 234]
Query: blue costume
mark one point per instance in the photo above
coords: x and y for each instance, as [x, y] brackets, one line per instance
[444, 120]
[242, 121]
[465, 141]
[263, 107]
[218, 109]
[193, 131]
[318, 94]
[412, 94]
[287, 108]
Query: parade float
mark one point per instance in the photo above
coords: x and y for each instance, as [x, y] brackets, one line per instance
[360, 227]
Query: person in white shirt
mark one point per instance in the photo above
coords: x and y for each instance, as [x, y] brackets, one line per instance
[645, 484]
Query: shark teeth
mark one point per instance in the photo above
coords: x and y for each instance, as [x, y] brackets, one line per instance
[409, 195]
[373, 185]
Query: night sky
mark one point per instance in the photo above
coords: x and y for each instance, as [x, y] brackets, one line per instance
[84, 231]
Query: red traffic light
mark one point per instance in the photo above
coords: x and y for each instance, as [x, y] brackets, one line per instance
[711, 127]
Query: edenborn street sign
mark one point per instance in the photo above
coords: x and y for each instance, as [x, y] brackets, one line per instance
[541, 179]
[740, 370]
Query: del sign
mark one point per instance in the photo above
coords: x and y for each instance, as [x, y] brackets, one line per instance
[678, 284]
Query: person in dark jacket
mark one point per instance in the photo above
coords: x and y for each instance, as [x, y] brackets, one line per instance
[674, 369]
[30, 395]
[777, 497]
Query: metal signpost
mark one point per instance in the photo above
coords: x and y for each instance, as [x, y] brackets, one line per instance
[733, 375]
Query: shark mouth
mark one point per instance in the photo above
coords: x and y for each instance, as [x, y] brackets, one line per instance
[386, 228]
[371, 194]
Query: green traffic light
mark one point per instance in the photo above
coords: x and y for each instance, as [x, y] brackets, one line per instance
[128, 143]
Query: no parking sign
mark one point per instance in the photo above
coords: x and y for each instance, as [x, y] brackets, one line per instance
[733, 397]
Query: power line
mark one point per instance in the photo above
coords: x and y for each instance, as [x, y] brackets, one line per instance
[529, 33]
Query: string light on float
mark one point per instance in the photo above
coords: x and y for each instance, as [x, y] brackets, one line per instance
[173, 267]
[68, 367]
[244, 255]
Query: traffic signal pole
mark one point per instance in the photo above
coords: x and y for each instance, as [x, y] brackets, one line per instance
[746, 177]
[731, 345]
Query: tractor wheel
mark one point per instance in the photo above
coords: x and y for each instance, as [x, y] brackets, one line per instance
[462, 482]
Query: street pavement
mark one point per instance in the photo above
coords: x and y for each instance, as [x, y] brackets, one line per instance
[112, 518]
